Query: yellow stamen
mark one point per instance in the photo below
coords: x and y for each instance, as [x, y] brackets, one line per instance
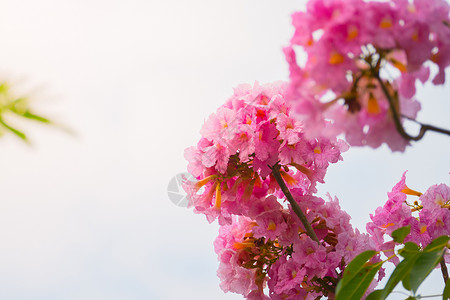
[398, 65]
[439, 200]
[352, 33]
[288, 178]
[310, 42]
[302, 169]
[372, 105]
[204, 181]
[388, 225]
[249, 234]
[415, 36]
[258, 182]
[289, 125]
[294, 274]
[386, 23]
[243, 245]
[317, 150]
[423, 228]
[272, 226]
[411, 8]
[218, 196]
[336, 58]
[260, 113]
[435, 57]
[406, 190]
[264, 100]
[244, 136]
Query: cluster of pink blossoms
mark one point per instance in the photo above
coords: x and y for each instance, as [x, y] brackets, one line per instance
[360, 54]
[277, 254]
[428, 217]
[262, 243]
[252, 132]
[363, 59]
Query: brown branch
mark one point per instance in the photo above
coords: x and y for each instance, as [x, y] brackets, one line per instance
[398, 125]
[326, 286]
[298, 211]
[444, 270]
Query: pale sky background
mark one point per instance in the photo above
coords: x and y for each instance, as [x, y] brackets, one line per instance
[87, 216]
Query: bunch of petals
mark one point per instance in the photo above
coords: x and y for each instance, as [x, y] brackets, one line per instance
[256, 257]
[249, 134]
[349, 43]
[428, 217]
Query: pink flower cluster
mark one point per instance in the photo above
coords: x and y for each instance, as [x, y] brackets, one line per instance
[250, 133]
[428, 217]
[354, 47]
[272, 253]
[263, 246]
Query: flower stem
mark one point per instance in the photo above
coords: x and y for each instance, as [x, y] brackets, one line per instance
[298, 211]
[423, 127]
[444, 270]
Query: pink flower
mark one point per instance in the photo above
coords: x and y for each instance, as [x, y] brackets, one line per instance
[350, 47]
[432, 221]
[252, 132]
[285, 275]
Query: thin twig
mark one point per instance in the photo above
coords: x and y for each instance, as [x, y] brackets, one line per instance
[298, 211]
[325, 285]
[423, 127]
[444, 270]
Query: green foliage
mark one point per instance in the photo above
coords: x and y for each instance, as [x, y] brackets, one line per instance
[446, 292]
[416, 265]
[357, 277]
[400, 234]
[19, 106]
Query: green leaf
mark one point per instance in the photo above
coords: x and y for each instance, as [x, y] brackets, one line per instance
[375, 295]
[437, 244]
[405, 281]
[423, 266]
[402, 269]
[29, 115]
[409, 249]
[357, 286]
[400, 234]
[354, 267]
[20, 134]
[355, 274]
[446, 292]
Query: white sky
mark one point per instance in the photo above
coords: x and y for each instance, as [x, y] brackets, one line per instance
[87, 216]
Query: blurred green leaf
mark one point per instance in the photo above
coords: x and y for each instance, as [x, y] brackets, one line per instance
[29, 115]
[19, 133]
[10, 104]
[400, 234]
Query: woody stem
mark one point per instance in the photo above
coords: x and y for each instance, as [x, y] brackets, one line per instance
[295, 207]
